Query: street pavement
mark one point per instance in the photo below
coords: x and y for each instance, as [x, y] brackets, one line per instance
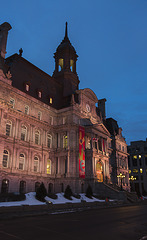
[120, 223]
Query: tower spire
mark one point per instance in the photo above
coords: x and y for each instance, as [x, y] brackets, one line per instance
[66, 34]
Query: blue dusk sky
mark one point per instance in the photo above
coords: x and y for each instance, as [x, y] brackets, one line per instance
[110, 37]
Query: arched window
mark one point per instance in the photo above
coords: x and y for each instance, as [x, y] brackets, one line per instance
[21, 161]
[37, 185]
[5, 186]
[65, 142]
[8, 128]
[36, 164]
[37, 137]
[61, 61]
[22, 187]
[48, 168]
[49, 140]
[71, 65]
[5, 159]
[50, 188]
[27, 87]
[23, 133]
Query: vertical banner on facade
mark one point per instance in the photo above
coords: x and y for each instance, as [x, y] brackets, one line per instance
[81, 152]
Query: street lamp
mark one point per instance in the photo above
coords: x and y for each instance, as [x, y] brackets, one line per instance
[132, 179]
[121, 176]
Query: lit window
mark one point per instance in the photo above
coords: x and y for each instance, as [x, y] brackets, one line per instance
[71, 65]
[23, 133]
[12, 102]
[27, 87]
[5, 159]
[39, 94]
[51, 100]
[37, 137]
[49, 140]
[26, 109]
[60, 64]
[21, 161]
[8, 128]
[65, 143]
[139, 156]
[135, 170]
[48, 168]
[134, 156]
[141, 170]
[39, 115]
[36, 164]
[129, 171]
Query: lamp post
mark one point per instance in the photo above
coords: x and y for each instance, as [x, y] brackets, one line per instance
[132, 179]
[121, 176]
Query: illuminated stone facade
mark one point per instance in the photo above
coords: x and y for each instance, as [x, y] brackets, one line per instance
[40, 117]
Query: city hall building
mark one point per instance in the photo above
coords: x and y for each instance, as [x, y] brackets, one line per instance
[50, 130]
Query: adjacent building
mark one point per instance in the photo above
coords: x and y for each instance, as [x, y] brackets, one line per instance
[138, 166]
[119, 156]
[50, 130]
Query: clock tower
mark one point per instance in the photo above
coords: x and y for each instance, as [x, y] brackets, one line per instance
[65, 66]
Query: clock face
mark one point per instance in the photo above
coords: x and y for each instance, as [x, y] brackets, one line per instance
[87, 107]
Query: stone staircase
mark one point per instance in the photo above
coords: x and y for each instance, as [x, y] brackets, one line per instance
[105, 190]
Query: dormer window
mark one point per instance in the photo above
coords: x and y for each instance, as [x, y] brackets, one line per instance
[27, 87]
[39, 94]
[60, 64]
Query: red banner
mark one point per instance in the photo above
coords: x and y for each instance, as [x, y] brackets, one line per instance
[81, 152]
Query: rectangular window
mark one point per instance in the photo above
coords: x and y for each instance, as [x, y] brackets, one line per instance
[135, 170]
[21, 164]
[66, 165]
[37, 139]
[39, 115]
[65, 143]
[48, 166]
[12, 102]
[56, 165]
[35, 166]
[26, 109]
[8, 129]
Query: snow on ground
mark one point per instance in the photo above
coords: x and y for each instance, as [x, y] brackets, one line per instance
[144, 197]
[61, 199]
[31, 200]
[83, 197]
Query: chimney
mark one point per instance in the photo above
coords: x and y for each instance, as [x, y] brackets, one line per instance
[101, 105]
[4, 28]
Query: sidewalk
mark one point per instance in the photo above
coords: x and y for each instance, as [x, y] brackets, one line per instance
[36, 210]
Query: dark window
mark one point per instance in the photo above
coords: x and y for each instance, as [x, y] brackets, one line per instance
[56, 165]
[37, 185]
[22, 187]
[66, 165]
[62, 187]
[50, 188]
[5, 186]
[134, 162]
